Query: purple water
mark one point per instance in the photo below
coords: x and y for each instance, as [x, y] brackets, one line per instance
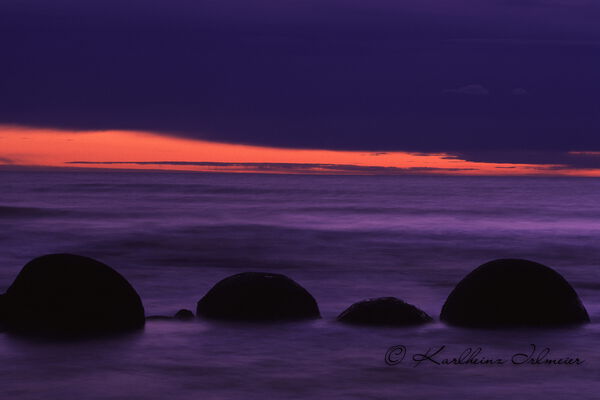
[173, 235]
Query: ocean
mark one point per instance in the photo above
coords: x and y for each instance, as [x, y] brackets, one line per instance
[173, 235]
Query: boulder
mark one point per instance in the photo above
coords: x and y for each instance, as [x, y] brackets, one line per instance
[513, 292]
[181, 315]
[388, 311]
[70, 295]
[184, 315]
[257, 296]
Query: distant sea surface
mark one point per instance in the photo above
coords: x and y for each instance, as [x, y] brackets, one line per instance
[344, 238]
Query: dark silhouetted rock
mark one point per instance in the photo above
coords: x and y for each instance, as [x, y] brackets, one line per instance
[512, 292]
[388, 311]
[181, 315]
[69, 295]
[184, 315]
[257, 296]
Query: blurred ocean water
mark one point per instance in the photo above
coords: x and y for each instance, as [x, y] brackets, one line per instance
[344, 238]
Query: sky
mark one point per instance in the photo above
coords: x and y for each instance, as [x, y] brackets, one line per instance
[511, 82]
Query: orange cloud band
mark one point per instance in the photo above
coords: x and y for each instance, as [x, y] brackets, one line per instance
[27, 146]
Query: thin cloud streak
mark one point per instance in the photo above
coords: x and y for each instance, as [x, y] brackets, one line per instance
[469, 90]
[286, 167]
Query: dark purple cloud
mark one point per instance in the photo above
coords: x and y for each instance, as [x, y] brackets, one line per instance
[378, 75]
[519, 92]
[286, 167]
[560, 159]
[469, 90]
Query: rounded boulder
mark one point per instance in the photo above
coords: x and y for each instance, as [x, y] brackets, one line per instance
[184, 315]
[386, 311]
[513, 292]
[257, 296]
[70, 295]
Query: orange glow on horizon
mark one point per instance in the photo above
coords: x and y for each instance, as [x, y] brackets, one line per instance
[25, 146]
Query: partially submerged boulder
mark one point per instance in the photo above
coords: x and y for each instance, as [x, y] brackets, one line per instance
[257, 296]
[70, 295]
[387, 311]
[513, 292]
[181, 315]
[184, 315]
